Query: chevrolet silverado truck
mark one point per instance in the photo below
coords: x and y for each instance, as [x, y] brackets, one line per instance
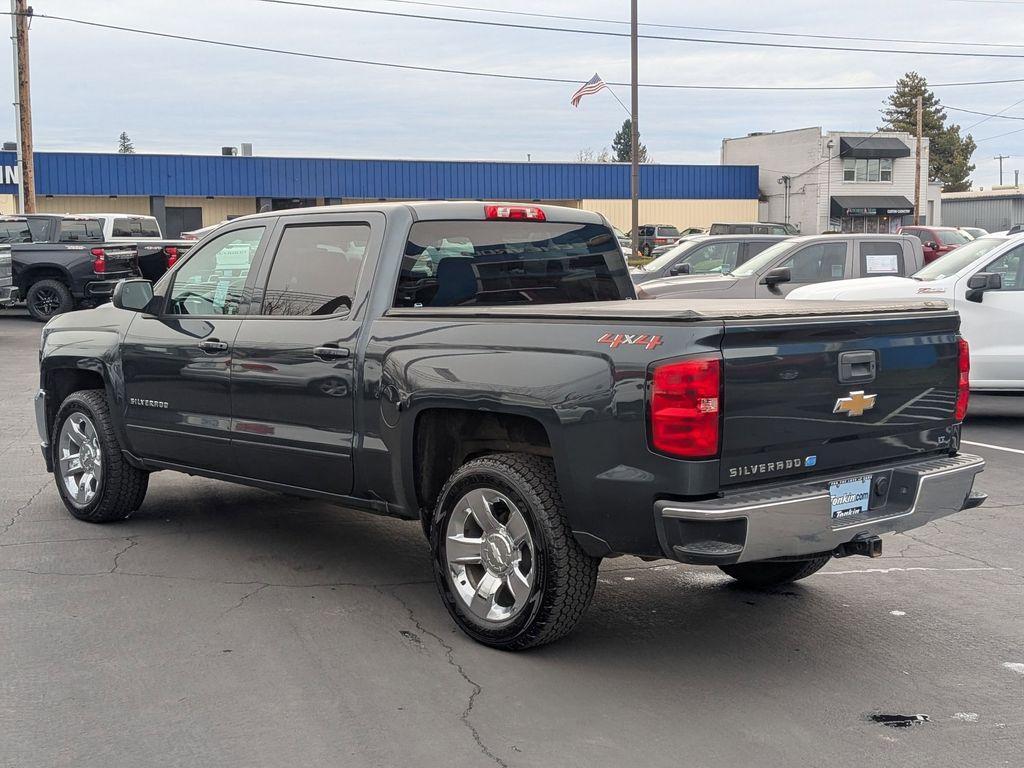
[156, 254]
[59, 262]
[483, 369]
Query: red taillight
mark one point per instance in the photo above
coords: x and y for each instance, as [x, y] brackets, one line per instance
[685, 408]
[660, 241]
[99, 260]
[172, 255]
[963, 386]
[516, 212]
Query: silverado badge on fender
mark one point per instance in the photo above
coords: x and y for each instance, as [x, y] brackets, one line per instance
[855, 404]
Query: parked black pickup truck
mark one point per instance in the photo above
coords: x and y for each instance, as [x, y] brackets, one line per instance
[62, 262]
[482, 368]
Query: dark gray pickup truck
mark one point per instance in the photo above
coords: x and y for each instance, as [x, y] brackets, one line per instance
[483, 369]
[60, 262]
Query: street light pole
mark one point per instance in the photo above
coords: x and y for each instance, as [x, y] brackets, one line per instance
[1000, 158]
[634, 172]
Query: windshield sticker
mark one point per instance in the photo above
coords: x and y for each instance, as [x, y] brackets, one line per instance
[644, 340]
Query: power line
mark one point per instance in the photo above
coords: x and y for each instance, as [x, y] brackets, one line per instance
[493, 75]
[810, 35]
[604, 33]
[999, 135]
[987, 115]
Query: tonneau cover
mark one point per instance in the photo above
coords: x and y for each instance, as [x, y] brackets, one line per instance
[676, 309]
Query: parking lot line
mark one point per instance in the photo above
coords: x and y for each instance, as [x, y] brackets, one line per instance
[993, 447]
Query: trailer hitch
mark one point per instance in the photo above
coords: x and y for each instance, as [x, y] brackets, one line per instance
[863, 544]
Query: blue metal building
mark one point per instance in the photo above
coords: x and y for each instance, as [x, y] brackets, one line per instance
[78, 182]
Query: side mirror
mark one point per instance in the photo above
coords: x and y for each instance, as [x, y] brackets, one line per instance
[980, 282]
[680, 269]
[134, 294]
[776, 276]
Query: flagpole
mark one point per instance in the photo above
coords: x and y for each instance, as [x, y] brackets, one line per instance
[634, 175]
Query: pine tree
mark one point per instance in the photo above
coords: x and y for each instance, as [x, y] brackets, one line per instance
[125, 145]
[950, 154]
[621, 145]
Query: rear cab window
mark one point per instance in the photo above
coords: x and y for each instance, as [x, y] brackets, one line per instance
[135, 226]
[497, 263]
[80, 231]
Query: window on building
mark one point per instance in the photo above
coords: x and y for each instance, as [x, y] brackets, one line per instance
[316, 269]
[867, 169]
[212, 279]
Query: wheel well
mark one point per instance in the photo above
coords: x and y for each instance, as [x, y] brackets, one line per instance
[34, 274]
[61, 382]
[446, 438]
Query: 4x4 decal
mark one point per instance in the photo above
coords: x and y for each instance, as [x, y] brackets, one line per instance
[645, 340]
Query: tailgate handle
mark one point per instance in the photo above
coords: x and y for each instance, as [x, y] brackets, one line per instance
[857, 367]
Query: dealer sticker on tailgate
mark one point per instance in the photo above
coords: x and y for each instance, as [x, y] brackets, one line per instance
[850, 497]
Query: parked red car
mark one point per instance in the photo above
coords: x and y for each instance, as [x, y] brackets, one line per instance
[937, 241]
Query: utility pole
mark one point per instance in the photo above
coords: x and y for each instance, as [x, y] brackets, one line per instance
[20, 13]
[634, 172]
[917, 160]
[1000, 158]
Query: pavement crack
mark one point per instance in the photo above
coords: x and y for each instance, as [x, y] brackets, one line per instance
[477, 689]
[20, 510]
[133, 541]
[245, 597]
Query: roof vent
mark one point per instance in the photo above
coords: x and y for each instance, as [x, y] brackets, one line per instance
[229, 151]
[246, 149]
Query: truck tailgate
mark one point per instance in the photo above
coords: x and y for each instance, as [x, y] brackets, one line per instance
[791, 402]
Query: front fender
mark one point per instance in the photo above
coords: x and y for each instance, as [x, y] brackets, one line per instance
[89, 342]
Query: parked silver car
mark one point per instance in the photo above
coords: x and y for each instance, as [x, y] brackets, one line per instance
[703, 254]
[798, 261]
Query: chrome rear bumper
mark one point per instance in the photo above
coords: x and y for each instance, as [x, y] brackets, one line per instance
[795, 519]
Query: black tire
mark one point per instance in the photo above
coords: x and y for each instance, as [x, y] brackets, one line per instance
[565, 576]
[767, 573]
[121, 488]
[48, 298]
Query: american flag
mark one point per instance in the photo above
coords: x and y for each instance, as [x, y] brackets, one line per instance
[593, 85]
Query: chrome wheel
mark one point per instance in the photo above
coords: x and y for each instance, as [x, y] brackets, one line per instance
[490, 556]
[80, 459]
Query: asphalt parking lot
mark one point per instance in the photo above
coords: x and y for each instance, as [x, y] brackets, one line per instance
[228, 626]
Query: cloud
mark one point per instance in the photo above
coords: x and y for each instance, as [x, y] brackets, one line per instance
[177, 96]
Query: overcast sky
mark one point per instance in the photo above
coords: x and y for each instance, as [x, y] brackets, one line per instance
[177, 96]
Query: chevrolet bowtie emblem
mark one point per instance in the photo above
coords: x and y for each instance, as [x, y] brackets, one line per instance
[855, 404]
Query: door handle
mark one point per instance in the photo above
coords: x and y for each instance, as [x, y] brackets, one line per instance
[213, 345]
[331, 353]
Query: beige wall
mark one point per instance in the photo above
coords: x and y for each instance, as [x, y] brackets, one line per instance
[681, 213]
[92, 204]
[8, 204]
[217, 209]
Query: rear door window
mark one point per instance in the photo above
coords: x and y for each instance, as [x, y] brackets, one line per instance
[135, 226]
[668, 232]
[493, 263]
[316, 269]
[881, 258]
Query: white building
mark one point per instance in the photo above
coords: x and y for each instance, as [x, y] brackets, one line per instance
[853, 181]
